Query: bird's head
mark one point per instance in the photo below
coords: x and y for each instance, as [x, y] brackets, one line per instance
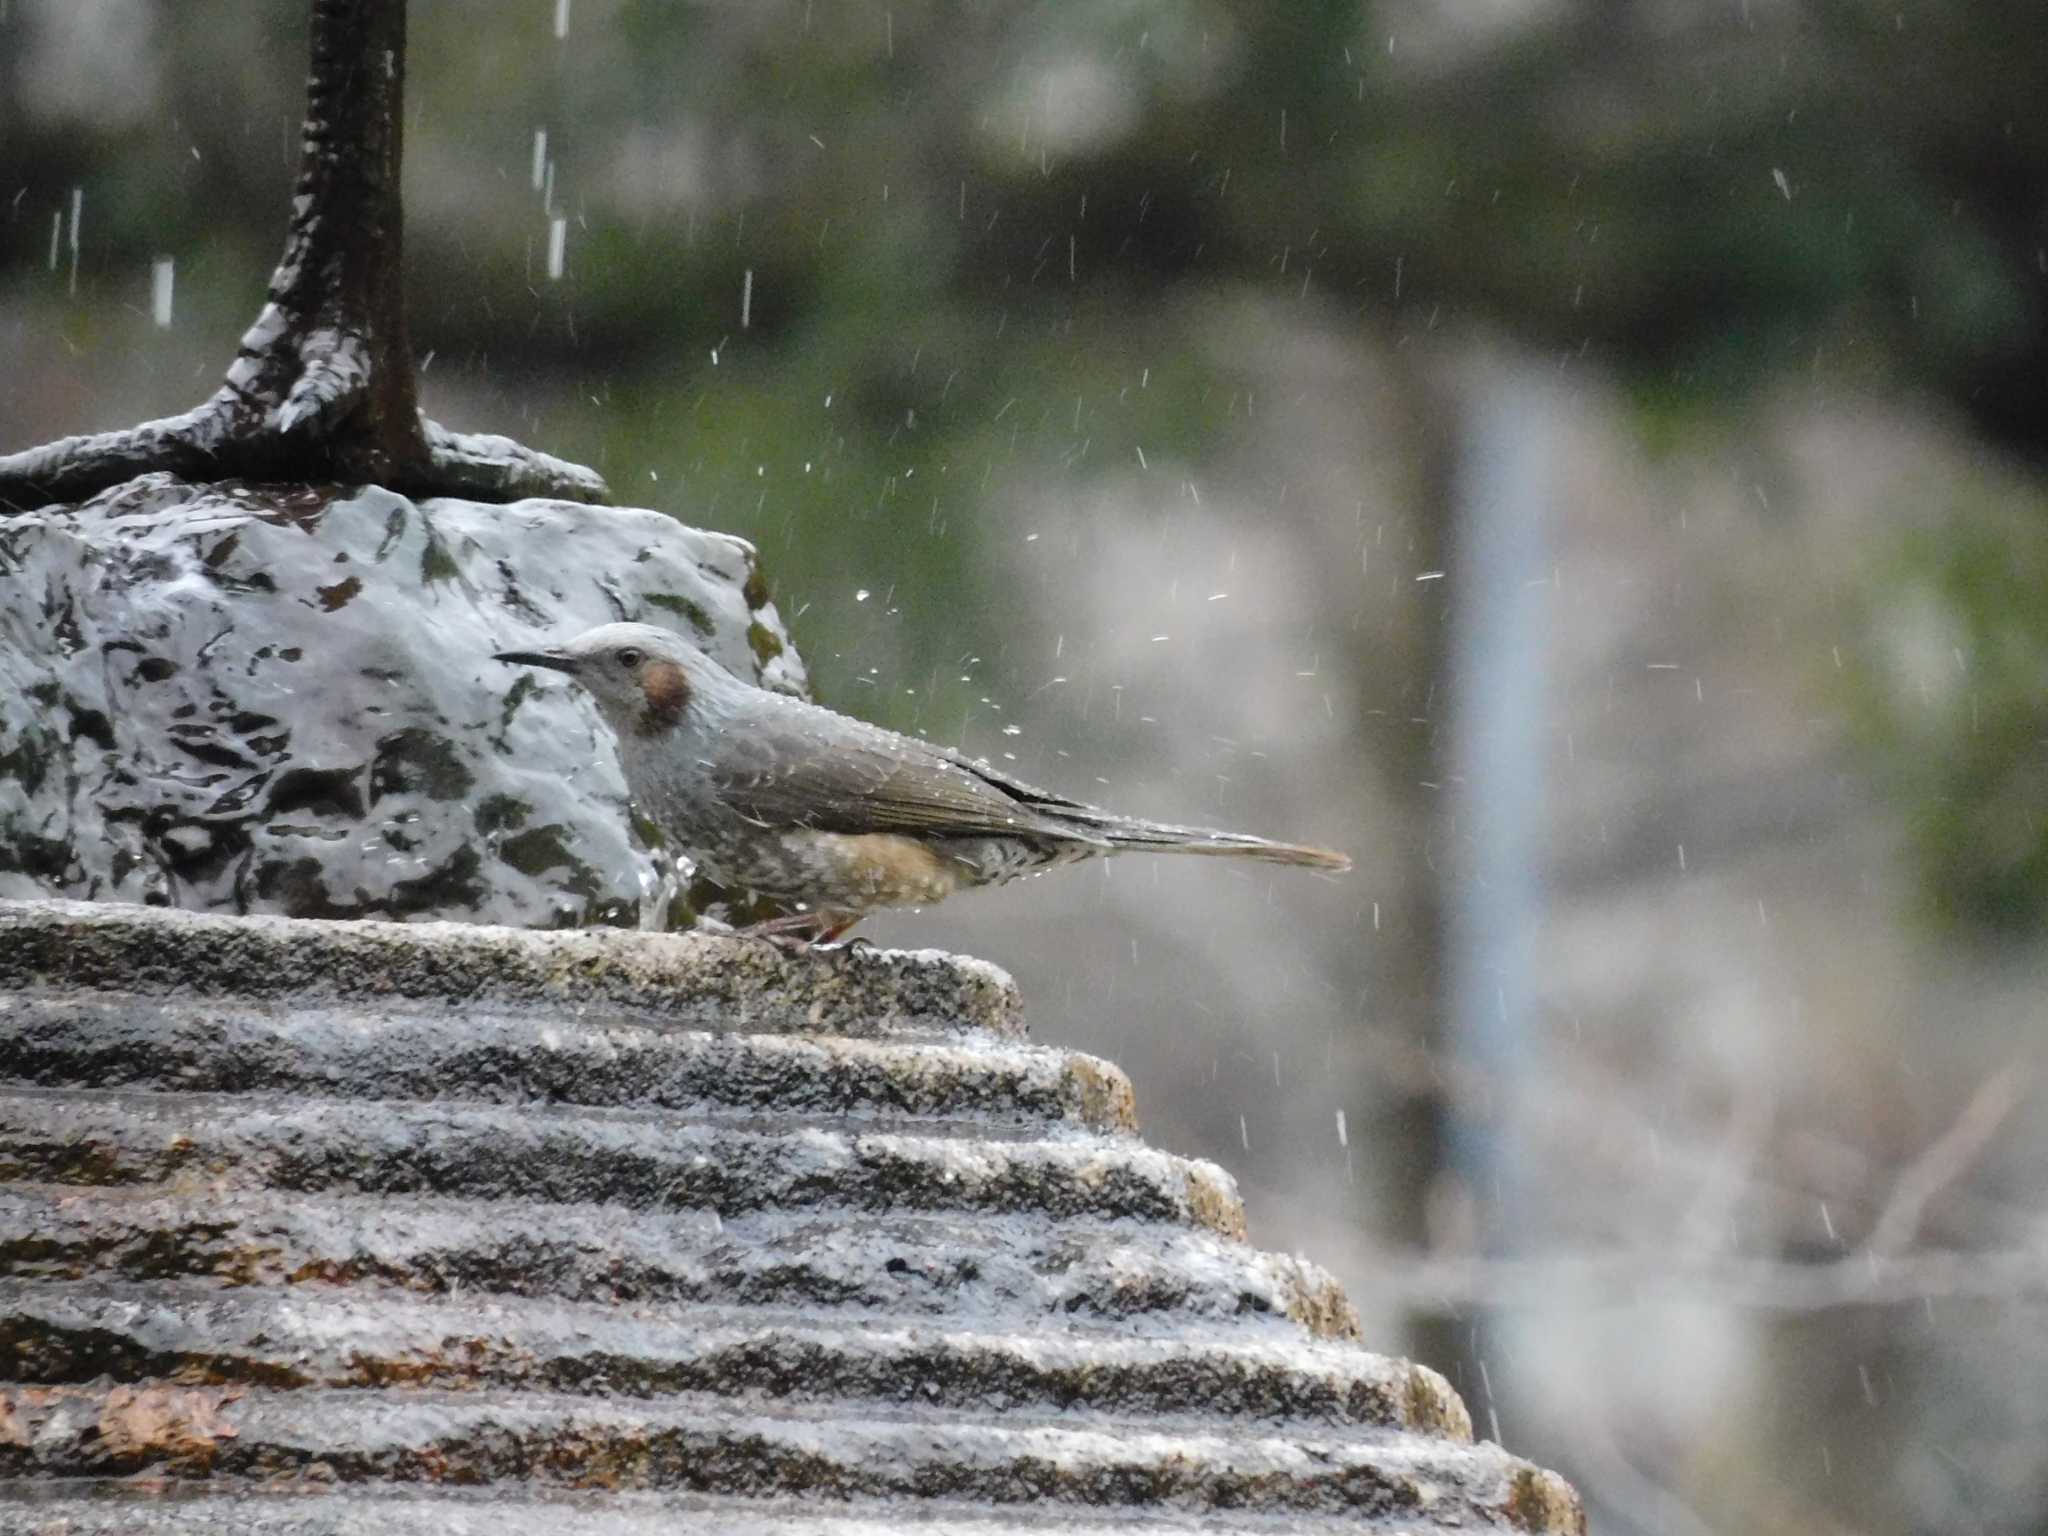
[644, 678]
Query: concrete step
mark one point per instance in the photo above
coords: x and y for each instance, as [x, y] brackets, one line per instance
[52, 948]
[574, 1057]
[635, 1158]
[697, 1444]
[319, 1338]
[975, 1267]
[120, 1508]
[311, 1227]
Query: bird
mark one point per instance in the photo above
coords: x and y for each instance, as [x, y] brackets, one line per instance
[827, 816]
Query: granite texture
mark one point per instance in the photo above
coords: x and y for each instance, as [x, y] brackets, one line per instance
[259, 699]
[345, 1227]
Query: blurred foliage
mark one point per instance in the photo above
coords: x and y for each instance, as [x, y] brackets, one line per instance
[1952, 700]
[984, 243]
[1698, 194]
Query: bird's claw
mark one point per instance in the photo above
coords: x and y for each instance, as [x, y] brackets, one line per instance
[797, 945]
[850, 946]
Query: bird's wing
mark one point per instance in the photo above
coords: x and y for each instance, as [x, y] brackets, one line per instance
[803, 766]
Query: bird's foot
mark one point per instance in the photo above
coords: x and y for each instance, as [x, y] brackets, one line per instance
[850, 946]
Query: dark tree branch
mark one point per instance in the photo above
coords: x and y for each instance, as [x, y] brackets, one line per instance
[486, 467]
[323, 385]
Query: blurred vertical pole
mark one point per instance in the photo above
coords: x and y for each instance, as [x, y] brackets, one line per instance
[1499, 571]
[1405, 980]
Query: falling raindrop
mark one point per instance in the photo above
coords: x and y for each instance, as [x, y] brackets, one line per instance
[160, 278]
[77, 209]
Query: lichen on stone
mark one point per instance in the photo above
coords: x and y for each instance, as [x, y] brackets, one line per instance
[240, 699]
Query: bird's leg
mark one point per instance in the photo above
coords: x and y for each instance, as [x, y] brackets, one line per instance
[804, 925]
[800, 931]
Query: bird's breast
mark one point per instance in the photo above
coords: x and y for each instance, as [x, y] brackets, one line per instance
[872, 869]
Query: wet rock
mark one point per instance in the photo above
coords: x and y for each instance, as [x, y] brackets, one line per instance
[240, 700]
[140, 966]
[337, 1227]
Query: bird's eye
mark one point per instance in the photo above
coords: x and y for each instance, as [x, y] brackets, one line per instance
[629, 658]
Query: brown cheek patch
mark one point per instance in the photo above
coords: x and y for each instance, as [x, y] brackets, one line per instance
[667, 691]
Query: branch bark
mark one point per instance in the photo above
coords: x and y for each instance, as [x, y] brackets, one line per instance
[323, 385]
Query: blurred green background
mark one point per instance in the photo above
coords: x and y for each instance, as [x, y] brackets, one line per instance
[1583, 456]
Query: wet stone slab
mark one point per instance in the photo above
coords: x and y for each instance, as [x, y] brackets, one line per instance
[385, 968]
[347, 1227]
[318, 1510]
[939, 1268]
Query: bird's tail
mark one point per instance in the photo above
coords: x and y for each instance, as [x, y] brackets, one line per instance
[1159, 837]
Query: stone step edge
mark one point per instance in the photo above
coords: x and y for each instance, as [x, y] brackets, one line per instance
[710, 980]
[225, 1507]
[1097, 1274]
[210, 1047]
[619, 1131]
[66, 1136]
[191, 1332]
[471, 1438]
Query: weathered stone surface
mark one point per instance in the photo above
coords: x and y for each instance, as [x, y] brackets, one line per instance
[225, 1047]
[934, 1267]
[127, 1507]
[639, 1160]
[768, 1449]
[304, 1338]
[310, 1226]
[244, 700]
[384, 968]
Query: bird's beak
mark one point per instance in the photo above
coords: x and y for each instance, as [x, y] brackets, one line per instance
[554, 660]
